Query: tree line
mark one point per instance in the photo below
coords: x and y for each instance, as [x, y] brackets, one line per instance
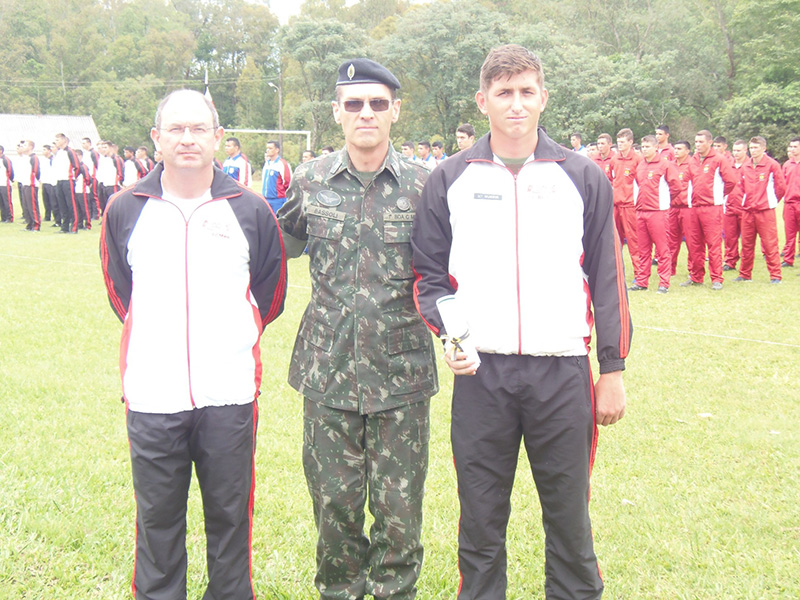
[725, 65]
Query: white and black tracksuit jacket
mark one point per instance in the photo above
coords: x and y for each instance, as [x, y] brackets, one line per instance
[532, 258]
[194, 293]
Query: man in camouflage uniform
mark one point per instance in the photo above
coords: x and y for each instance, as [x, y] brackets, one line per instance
[363, 358]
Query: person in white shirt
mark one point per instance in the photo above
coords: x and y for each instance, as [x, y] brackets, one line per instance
[48, 182]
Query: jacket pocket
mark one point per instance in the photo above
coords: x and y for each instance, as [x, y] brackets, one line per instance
[411, 366]
[397, 242]
[324, 242]
[311, 356]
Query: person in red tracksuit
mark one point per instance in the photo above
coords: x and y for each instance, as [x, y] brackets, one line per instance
[721, 146]
[732, 219]
[623, 173]
[604, 154]
[665, 149]
[791, 202]
[712, 179]
[764, 184]
[657, 181]
[679, 206]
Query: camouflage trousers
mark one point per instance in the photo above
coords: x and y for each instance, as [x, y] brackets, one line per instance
[347, 458]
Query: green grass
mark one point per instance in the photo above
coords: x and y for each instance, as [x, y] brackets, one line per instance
[696, 493]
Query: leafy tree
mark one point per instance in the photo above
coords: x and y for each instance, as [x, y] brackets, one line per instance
[770, 110]
[313, 50]
[767, 31]
[439, 66]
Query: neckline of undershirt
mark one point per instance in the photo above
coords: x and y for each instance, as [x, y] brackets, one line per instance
[186, 205]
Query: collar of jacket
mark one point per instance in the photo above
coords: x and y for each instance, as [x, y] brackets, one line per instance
[222, 186]
[342, 163]
[546, 149]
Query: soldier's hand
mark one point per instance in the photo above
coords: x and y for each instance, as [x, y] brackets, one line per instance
[459, 363]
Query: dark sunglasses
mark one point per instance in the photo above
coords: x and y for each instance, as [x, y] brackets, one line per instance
[376, 104]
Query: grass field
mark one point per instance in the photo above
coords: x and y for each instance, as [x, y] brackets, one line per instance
[696, 492]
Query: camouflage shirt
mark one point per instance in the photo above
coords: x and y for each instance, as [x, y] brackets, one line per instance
[361, 345]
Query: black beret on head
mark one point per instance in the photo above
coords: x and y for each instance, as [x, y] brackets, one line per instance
[364, 70]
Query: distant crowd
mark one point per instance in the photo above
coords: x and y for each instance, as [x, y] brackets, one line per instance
[715, 199]
[75, 183]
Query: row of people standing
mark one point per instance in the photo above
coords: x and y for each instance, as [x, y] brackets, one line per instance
[364, 357]
[668, 194]
[275, 176]
[75, 183]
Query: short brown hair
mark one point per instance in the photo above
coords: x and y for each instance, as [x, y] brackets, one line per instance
[649, 139]
[758, 140]
[605, 136]
[507, 61]
[625, 133]
[706, 134]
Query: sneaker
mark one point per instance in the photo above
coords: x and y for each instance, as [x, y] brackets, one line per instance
[689, 282]
[662, 290]
[636, 288]
[740, 278]
[774, 280]
[728, 268]
[786, 264]
[717, 285]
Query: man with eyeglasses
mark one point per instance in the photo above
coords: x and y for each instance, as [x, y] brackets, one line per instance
[200, 258]
[363, 358]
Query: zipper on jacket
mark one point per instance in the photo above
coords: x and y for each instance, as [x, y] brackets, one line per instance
[186, 292]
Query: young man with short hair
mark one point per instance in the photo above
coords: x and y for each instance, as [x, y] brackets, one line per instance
[623, 175]
[713, 178]
[48, 180]
[28, 174]
[520, 231]
[106, 175]
[465, 136]
[721, 146]
[438, 151]
[90, 159]
[764, 185]
[424, 154]
[83, 193]
[665, 149]
[576, 141]
[604, 154]
[6, 179]
[732, 218]
[407, 150]
[236, 165]
[275, 176]
[658, 182]
[679, 204]
[791, 202]
[66, 166]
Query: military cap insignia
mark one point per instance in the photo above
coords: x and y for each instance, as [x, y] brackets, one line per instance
[328, 198]
[403, 203]
[351, 71]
